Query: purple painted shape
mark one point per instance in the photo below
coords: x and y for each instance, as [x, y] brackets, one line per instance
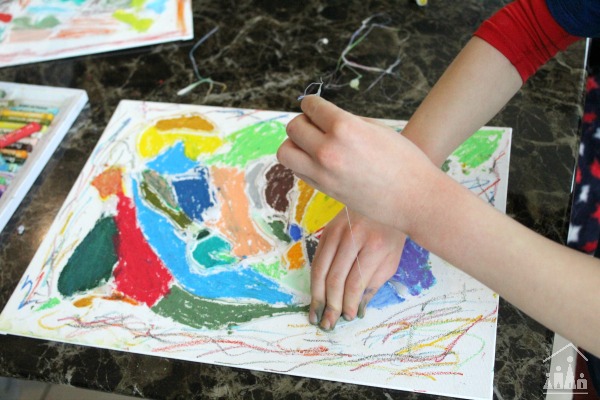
[414, 271]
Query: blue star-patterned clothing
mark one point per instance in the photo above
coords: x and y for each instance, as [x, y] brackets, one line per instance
[578, 17]
[584, 229]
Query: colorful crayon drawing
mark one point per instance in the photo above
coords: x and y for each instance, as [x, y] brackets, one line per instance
[40, 30]
[183, 237]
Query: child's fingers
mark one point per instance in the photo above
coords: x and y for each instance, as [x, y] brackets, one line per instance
[296, 159]
[324, 114]
[305, 134]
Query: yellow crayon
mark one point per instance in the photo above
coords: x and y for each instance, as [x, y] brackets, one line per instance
[11, 125]
[26, 116]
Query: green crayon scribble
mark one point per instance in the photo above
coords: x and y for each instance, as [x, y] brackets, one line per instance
[251, 143]
[27, 23]
[478, 148]
[139, 4]
[54, 301]
[139, 24]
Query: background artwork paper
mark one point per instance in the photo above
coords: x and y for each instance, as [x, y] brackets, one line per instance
[39, 30]
[183, 237]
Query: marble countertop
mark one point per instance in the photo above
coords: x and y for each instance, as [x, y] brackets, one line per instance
[267, 52]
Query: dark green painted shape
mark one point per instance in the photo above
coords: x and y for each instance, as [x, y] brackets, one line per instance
[199, 312]
[92, 261]
[278, 229]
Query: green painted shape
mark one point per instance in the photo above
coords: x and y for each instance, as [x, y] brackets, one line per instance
[251, 143]
[213, 251]
[278, 229]
[176, 215]
[54, 301]
[299, 280]
[446, 166]
[47, 22]
[199, 312]
[139, 24]
[93, 260]
[138, 3]
[273, 270]
[161, 187]
[478, 148]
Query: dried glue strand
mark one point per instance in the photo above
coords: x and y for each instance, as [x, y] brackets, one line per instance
[367, 26]
[356, 38]
[362, 280]
[200, 78]
[320, 84]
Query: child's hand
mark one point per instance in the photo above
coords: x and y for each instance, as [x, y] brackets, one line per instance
[338, 284]
[370, 168]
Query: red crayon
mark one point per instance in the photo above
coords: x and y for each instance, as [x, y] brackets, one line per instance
[20, 133]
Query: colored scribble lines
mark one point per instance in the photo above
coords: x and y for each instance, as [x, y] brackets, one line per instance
[83, 26]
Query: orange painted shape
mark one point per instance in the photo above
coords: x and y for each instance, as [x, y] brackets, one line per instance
[295, 256]
[84, 302]
[121, 297]
[305, 193]
[195, 122]
[109, 182]
[235, 223]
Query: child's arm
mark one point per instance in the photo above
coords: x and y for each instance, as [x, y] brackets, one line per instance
[329, 148]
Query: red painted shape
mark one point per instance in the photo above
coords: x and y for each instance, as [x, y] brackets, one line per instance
[578, 175]
[140, 273]
[5, 17]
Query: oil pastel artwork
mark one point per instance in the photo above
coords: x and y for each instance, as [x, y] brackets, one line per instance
[79, 27]
[183, 237]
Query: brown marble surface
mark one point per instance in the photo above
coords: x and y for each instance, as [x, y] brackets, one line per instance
[267, 52]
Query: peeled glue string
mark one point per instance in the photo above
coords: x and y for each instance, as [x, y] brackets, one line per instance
[200, 78]
[367, 26]
[362, 280]
[320, 84]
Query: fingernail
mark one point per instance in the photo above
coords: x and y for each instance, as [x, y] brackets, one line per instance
[315, 315]
[325, 325]
[347, 317]
[362, 309]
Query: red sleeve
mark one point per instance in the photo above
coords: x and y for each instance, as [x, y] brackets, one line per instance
[527, 34]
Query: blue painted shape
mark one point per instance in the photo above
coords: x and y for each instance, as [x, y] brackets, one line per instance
[385, 296]
[48, 10]
[193, 194]
[237, 282]
[158, 6]
[172, 162]
[295, 232]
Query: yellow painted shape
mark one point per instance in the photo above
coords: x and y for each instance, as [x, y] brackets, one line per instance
[196, 142]
[320, 210]
[295, 256]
